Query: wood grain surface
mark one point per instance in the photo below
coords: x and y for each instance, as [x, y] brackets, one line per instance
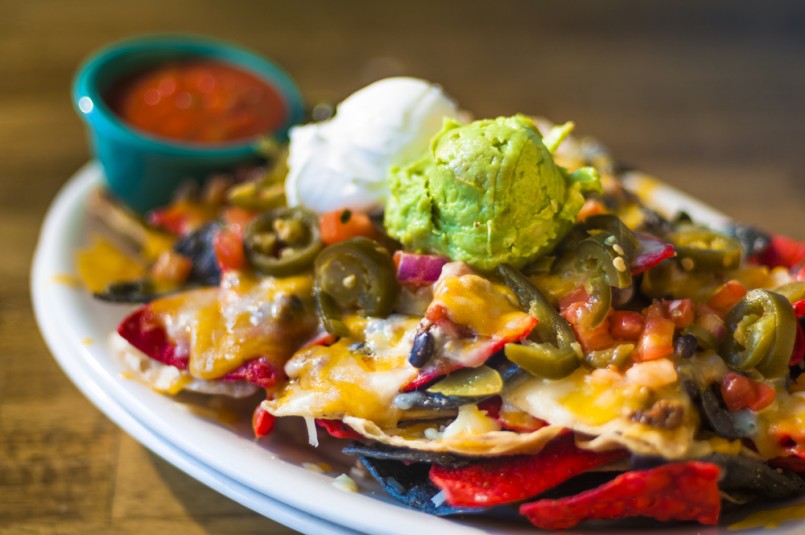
[708, 97]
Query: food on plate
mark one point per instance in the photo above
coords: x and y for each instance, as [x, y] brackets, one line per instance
[199, 101]
[539, 338]
[343, 162]
[486, 193]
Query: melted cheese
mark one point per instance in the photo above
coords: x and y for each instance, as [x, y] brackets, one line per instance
[102, 263]
[600, 404]
[349, 378]
[470, 421]
[488, 309]
[785, 418]
[489, 443]
[220, 329]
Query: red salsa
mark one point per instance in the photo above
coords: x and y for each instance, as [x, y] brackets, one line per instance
[198, 101]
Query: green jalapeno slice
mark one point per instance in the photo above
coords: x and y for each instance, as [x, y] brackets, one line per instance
[543, 360]
[602, 253]
[762, 333]
[700, 249]
[549, 353]
[793, 291]
[356, 274]
[282, 242]
[552, 328]
[614, 226]
[606, 263]
[482, 381]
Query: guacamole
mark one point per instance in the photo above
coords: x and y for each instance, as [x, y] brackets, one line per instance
[486, 193]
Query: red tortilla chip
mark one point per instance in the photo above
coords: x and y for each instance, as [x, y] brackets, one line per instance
[338, 429]
[677, 491]
[260, 372]
[143, 330]
[512, 479]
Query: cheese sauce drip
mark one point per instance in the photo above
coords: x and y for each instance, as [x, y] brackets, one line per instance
[222, 329]
[351, 377]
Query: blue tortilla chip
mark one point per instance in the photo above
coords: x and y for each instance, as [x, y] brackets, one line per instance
[410, 484]
[406, 455]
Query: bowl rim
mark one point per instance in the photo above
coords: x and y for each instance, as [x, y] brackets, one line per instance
[99, 114]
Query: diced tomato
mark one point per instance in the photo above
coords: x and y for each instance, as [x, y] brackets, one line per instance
[575, 312]
[726, 296]
[590, 338]
[741, 392]
[657, 339]
[262, 422]
[340, 225]
[228, 246]
[590, 208]
[681, 311]
[182, 217]
[237, 219]
[626, 324]
[576, 296]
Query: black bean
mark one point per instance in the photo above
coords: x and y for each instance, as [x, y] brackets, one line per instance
[198, 247]
[422, 349]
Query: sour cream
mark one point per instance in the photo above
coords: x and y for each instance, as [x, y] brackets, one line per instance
[344, 162]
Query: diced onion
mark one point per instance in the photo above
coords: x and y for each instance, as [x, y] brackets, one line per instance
[418, 269]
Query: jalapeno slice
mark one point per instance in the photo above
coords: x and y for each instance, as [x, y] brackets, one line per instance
[282, 242]
[605, 260]
[614, 226]
[355, 274]
[603, 253]
[482, 381]
[793, 291]
[700, 249]
[543, 360]
[552, 327]
[762, 333]
[550, 353]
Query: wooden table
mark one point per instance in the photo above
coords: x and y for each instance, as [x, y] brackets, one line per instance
[710, 98]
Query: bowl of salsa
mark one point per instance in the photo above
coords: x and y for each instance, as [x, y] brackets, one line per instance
[163, 110]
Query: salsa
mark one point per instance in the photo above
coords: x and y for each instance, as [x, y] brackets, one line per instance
[198, 101]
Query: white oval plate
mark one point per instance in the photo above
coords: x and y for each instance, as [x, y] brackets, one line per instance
[268, 476]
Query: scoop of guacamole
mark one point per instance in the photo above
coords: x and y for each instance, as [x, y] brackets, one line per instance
[486, 193]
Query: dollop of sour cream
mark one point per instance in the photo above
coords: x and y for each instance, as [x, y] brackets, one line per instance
[343, 162]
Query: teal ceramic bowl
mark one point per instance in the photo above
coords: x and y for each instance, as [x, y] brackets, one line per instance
[144, 170]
